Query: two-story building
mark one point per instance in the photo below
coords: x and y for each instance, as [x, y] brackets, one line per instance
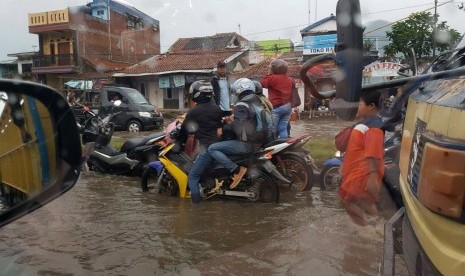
[100, 37]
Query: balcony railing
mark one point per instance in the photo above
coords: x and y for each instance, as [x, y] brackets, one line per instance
[50, 17]
[54, 60]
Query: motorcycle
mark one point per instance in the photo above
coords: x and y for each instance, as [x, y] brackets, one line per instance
[331, 175]
[293, 161]
[132, 156]
[169, 176]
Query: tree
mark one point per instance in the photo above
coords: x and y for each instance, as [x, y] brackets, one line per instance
[368, 45]
[417, 32]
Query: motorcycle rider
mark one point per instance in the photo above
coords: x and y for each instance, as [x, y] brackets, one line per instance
[205, 121]
[244, 126]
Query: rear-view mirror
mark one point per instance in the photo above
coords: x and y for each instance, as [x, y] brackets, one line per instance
[40, 150]
[346, 64]
[349, 58]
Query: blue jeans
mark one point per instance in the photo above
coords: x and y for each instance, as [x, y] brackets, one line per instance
[221, 150]
[201, 162]
[281, 116]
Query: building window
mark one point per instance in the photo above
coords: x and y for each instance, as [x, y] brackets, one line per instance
[100, 12]
[135, 22]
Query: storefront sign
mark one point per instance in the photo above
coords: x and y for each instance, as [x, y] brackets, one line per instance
[319, 44]
[164, 82]
[382, 69]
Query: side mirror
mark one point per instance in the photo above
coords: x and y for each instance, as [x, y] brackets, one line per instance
[40, 149]
[117, 103]
[349, 58]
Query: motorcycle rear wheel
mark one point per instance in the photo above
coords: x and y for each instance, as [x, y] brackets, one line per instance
[330, 178]
[297, 171]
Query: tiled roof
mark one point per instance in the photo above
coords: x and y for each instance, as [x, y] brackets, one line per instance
[260, 70]
[89, 76]
[179, 62]
[292, 57]
[216, 42]
[103, 65]
[318, 23]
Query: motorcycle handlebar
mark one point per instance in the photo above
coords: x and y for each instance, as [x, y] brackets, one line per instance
[309, 83]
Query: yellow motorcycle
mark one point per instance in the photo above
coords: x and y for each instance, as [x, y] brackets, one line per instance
[169, 176]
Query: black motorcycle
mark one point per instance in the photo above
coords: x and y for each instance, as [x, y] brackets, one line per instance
[129, 160]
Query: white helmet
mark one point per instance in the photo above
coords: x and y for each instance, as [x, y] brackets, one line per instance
[243, 84]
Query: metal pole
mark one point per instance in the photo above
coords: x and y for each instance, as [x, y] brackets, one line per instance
[316, 10]
[309, 13]
[109, 28]
[435, 19]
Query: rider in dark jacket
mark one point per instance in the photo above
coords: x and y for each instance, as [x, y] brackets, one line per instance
[244, 126]
[205, 121]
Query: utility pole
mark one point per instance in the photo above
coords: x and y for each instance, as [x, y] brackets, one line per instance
[435, 21]
[309, 12]
[316, 10]
[109, 27]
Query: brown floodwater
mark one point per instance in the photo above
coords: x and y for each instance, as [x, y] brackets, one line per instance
[106, 226]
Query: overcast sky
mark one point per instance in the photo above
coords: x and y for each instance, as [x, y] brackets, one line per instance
[259, 19]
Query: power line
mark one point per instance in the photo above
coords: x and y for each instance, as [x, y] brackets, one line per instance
[397, 9]
[402, 19]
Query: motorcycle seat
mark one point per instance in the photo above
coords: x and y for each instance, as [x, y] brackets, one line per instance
[132, 143]
[277, 141]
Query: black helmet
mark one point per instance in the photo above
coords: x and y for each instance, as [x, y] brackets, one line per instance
[258, 88]
[202, 91]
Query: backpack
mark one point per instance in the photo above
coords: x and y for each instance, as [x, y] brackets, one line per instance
[342, 139]
[263, 132]
[295, 98]
[265, 126]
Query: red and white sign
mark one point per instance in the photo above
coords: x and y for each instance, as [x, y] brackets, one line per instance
[382, 69]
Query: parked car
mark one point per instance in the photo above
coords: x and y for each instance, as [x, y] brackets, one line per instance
[136, 112]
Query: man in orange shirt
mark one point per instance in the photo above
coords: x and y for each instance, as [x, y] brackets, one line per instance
[363, 166]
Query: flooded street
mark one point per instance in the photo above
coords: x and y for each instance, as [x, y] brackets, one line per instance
[106, 226]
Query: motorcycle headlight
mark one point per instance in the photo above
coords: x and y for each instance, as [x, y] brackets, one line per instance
[144, 114]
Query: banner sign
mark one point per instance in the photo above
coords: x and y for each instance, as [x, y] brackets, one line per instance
[319, 44]
[179, 80]
[164, 82]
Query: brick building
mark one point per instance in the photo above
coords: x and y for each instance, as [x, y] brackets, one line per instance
[100, 37]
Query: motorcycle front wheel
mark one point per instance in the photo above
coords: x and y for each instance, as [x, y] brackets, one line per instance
[330, 178]
[264, 189]
[167, 186]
